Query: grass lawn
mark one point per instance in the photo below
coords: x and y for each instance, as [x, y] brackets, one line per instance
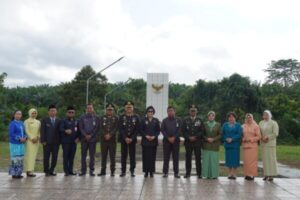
[289, 155]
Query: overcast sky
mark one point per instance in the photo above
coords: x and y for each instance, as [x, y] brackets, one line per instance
[49, 41]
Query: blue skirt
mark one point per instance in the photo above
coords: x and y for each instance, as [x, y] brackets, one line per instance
[16, 156]
[232, 157]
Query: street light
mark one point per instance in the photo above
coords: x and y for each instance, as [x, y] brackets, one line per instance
[88, 80]
[105, 96]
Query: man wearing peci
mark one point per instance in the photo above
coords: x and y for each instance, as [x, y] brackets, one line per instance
[50, 138]
[69, 134]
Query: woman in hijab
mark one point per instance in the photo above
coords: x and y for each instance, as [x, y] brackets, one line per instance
[17, 138]
[232, 133]
[150, 129]
[211, 147]
[32, 127]
[251, 136]
[269, 130]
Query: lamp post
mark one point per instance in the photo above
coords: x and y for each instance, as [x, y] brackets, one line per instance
[88, 80]
[105, 96]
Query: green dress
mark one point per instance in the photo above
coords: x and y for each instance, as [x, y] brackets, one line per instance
[210, 163]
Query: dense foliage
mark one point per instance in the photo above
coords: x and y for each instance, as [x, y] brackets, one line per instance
[280, 94]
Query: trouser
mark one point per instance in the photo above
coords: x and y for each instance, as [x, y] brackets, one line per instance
[169, 148]
[125, 148]
[149, 157]
[108, 147]
[91, 148]
[50, 150]
[69, 150]
[188, 158]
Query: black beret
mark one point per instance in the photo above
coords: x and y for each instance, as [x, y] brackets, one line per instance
[51, 106]
[128, 103]
[110, 106]
[150, 108]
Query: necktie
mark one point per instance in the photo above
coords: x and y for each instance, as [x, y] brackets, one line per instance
[52, 121]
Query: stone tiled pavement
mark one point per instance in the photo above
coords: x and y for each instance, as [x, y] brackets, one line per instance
[61, 187]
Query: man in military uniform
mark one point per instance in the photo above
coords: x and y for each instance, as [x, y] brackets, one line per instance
[88, 126]
[128, 129]
[69, 135]
[192, 130]
[170, 128]
[109, 128]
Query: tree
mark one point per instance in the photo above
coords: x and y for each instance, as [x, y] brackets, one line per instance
[285, 72]
[74, 92]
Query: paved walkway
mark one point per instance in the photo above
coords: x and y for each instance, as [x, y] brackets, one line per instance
[61, 187]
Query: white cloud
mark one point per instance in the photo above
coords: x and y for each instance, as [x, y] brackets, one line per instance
[195, 39]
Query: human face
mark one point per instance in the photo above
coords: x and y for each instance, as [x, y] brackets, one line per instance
[89, 109]
[211, 117]
[193, 112]
[109, 111]
[231, 119]
[18, 115]
[33, 114]
[70, 113]
[52, 112]
[249, 119]
[128, 109]
[150, 113]
[171, 112]
[266, 116]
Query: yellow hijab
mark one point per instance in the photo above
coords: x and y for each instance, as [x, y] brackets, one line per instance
[30, 113]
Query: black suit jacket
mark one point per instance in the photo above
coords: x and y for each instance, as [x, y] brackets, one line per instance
[50, 134]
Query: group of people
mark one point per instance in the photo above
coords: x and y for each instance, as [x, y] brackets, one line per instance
[201, 138]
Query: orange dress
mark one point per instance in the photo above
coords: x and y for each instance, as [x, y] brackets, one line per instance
[250, 148]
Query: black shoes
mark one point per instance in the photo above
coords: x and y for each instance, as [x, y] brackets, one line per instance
[165, 176]
[31, 175]
[268, 178]
[102, 174]
[122, 174]
[176, 176]
[249, 178]
[92, 174]
[151, 174]
[146, 175]
[52, 174]
[187, 176]
[231, 177]
[199, 177]
[17, 177]
[132, 174]
[82, 174]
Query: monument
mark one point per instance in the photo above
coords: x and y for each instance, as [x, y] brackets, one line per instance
[158, 93]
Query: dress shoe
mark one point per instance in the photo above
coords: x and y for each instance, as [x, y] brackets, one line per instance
[82, 174]
[122, 174]
[73, 174]
[176, 176]
[146, 175]
[187, 176]
[165, 176]
[52, 174]
[31, 175]
[151, 174]
[92, 174]
[102, 174]
[132, 174]
[199, 177]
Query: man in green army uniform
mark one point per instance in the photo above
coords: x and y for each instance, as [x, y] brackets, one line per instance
[193, 130]
[109, 127]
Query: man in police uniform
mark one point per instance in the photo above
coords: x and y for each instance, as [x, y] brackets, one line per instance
[128, 129]
[192, 130]
[109, 128]
[69, 135]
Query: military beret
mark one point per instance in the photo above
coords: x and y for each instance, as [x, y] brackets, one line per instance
[128, 103]
[110, 106]
[150, 108]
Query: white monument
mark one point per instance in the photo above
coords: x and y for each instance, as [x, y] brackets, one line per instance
[158, 93]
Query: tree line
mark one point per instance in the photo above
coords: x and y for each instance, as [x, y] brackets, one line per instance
[280, 94]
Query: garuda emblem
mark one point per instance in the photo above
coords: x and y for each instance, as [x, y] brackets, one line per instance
[157, 87]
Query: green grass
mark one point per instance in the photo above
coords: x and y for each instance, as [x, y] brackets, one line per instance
[289, 155]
